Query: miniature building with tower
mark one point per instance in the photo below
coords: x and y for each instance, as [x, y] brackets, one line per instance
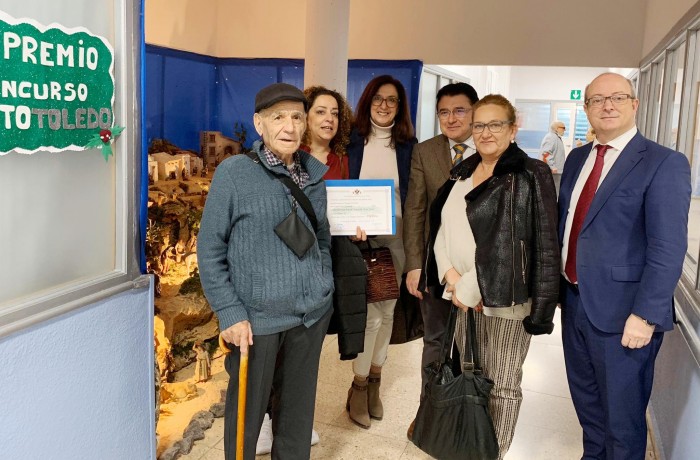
[215, 147]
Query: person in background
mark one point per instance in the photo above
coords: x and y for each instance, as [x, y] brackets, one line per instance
[328, 125]
[431, 163]
[623, 227]
[552, 150]
[500, 257]
[590, 135]
[271, 304]
[380, 148]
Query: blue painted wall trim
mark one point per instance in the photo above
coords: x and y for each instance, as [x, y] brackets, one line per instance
[188, 92]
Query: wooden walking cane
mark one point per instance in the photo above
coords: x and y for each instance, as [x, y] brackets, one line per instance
[242, 394]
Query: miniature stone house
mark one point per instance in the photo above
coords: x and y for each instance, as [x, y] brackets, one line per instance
[215, 147]
[169, 166]
[186, 163]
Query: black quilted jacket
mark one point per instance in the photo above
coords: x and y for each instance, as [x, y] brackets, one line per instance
[349, 318]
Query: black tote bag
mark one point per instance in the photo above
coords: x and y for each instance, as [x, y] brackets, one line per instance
[453, 420]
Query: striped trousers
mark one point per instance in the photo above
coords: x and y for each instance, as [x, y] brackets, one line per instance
[503, 345]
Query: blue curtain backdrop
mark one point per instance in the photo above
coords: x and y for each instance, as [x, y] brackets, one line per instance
[187, 93]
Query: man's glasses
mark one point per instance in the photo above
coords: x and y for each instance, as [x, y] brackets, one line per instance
[391, 101]
[493, 126]
[616, 99]
[459, 112]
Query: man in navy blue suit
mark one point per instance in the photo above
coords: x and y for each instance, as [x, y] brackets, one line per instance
[623, 211]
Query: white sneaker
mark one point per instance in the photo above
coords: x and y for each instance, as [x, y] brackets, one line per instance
[264, 445]
[314, 437]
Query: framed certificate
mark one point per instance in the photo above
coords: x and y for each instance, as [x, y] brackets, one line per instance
[367, 203]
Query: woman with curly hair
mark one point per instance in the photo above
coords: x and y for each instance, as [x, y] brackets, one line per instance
[329, 122]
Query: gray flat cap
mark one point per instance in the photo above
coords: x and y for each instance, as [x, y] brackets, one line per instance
[276, 92]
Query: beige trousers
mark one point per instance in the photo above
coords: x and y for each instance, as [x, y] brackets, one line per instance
[380, 315]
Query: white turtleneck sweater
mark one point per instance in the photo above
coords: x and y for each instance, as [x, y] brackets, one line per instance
[379, 161]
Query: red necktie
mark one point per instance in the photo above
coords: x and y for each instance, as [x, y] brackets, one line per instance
[584, 202]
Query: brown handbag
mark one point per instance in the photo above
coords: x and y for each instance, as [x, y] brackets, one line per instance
[381, 274]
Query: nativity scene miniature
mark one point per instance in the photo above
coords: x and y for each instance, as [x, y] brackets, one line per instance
[189, 371]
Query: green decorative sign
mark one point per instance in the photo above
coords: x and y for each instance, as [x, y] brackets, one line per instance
[575, 94]
[56, 87]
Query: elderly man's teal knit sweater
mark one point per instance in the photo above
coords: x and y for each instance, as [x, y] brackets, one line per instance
[247, 272]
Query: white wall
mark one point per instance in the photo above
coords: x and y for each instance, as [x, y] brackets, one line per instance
[81, 385]
[485, 79]
[550, 83]
[187, 25]
[509, 32]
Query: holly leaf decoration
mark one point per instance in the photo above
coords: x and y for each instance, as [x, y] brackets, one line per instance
[103, 140]
[95, 142]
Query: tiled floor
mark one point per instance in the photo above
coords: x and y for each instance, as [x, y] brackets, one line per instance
[547, 428]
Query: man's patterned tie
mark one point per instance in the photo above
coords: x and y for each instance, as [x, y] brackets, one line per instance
[459, 153]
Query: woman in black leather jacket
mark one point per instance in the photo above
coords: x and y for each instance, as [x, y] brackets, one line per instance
[500, 255]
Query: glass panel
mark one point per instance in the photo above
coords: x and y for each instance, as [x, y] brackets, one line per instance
[566, 113]
[657, 74]
[643, 95]
[677, 93]
[581, 126]
[534, 121]
[690, 145]
[59, 210]
[694, 217]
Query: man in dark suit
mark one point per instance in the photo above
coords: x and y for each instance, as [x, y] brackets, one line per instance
[431, 163]
[623, 209]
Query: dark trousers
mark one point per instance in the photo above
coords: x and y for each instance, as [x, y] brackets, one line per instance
[288, 363]
[610, 384]
[435, 311]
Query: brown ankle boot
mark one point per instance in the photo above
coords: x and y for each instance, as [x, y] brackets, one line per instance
[357, 404]
[376, 410]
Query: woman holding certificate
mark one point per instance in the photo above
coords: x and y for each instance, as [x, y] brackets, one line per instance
[380, 147]
[501, 256]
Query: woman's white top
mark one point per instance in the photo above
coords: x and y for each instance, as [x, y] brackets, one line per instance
[379, 161]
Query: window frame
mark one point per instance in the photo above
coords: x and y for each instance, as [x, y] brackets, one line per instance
[19, 313]
[687, 293]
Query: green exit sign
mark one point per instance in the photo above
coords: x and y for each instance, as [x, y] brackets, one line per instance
[575, 94]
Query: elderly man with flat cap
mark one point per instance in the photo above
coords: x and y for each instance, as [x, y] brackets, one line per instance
[272, 295]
